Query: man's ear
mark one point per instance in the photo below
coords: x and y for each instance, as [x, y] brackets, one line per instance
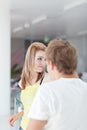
[52, 65]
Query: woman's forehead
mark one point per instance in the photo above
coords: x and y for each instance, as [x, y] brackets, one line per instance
[40, 53]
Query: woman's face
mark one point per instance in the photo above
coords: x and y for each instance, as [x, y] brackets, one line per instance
[40, 61]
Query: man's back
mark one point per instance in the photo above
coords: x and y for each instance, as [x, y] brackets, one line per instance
[65, 102]
[70, 101]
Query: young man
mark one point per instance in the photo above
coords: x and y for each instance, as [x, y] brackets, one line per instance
[62, 103]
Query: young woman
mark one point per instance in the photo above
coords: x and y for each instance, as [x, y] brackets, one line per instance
[31, 77]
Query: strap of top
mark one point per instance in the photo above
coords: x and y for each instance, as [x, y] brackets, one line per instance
[41, 80]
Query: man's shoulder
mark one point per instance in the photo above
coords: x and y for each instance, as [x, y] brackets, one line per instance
[50, 84]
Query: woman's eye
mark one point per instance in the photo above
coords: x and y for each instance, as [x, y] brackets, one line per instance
[39, 58]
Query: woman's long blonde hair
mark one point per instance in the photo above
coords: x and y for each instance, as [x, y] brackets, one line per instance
[29, 63]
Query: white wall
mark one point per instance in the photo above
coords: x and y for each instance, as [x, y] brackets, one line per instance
[81, 44]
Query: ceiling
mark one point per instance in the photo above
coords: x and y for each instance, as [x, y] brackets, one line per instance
[39, 19]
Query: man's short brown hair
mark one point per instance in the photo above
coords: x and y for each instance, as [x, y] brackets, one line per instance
[63, 55]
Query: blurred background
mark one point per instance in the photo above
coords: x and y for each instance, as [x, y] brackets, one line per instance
[43, 20]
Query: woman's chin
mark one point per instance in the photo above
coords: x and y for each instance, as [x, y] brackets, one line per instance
[40, 70]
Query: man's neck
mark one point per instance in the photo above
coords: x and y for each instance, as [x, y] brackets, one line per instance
[58, 75]
[74, 75]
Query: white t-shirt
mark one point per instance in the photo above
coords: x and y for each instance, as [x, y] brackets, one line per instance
[63, 103]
